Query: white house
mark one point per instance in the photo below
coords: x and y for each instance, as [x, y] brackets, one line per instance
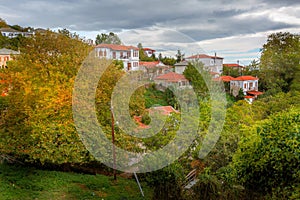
[211, 63]
[128, 54]
[149, 52]
[12, 33]
[246, 83]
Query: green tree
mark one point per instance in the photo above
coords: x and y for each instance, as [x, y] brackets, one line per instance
[110, 38]
[268, 157]
[179, 56]
[279, 62]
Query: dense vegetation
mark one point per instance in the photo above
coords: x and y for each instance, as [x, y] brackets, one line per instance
[256, 157]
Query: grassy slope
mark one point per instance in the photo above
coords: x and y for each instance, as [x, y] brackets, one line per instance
[29, 183]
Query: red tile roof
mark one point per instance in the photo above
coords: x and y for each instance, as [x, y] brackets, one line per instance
[149, 64]
[148, 49]
[256, 93]
[245, 78]
[165, 110]
[117, 47]
[224, 78]
[138, 120]
[171, 77]
[233, 65]
[203, 56]
[249, 97]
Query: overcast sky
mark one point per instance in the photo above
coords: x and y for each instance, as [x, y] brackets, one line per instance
[234, 29]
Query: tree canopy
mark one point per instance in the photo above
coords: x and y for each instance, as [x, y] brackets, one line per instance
[110, 38]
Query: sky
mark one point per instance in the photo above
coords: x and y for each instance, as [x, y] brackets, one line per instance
[233, 29]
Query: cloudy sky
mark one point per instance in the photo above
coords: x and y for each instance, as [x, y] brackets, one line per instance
[234, 29]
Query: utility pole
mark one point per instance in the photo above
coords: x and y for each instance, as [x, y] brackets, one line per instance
[113, 142]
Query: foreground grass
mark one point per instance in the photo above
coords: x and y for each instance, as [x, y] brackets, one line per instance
[18, 182]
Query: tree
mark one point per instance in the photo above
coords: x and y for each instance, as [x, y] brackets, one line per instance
[196, 79]
[179, 56]
[279, 62]
[110, 38]
[268, 157]
[38, 124]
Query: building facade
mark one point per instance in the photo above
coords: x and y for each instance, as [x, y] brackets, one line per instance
[128, 54]
[211, 63]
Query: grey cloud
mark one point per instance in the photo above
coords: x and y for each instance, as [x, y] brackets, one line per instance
[209, 18]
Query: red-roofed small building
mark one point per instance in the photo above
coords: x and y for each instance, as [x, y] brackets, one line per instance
[128, 54]
[246, 83]
[234, 66]
[154, 69]
[149, 52]
[172, 79]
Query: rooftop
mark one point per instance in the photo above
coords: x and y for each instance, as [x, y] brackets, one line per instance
[171, 77]
[198, 56]
[117, 47]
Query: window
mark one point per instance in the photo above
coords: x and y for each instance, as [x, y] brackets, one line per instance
[100, 53]
[114, 55]
[245, 85]
[135, 54]
[128, 54]
[251, 85]
[121, 54]
[105, 53]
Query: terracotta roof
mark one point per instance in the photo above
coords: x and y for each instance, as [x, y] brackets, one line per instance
[256, 93]
[171, 77]
[245, 78]
[148, 49]
[224, 78]
[117, 47]
[138, 120]
[249, 97]
[165, 110]
[233, 65]
[149, 64]
[203, 56]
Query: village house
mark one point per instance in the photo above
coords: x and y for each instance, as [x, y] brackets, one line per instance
[154, 69]
[234, 66]
[128, 54]
[247, 84]
[149, 52]
[6, 55]
[211, 63]
[172, 79]
[12, 33]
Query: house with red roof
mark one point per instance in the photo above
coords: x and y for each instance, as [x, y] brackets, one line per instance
[154, 69]
[128, 54]
[149, 52]
[234, 66]
[172, 79]
[211, 63]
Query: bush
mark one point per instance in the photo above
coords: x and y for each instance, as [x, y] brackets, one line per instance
[268, 158]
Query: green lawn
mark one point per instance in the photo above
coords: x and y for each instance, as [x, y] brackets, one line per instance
[21, 183]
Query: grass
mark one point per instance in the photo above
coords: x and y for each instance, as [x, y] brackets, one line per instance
[19, 182]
